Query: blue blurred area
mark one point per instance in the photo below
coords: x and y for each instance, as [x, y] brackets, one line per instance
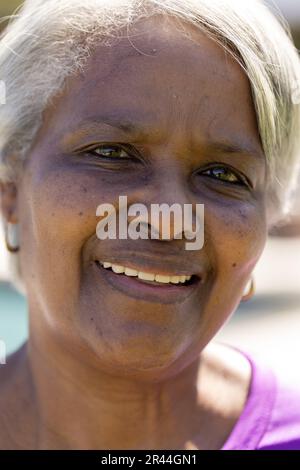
[13, 317]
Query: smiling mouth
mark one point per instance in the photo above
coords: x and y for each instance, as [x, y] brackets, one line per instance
[153, 279]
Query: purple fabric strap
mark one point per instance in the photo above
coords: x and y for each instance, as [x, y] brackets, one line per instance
[253, 422]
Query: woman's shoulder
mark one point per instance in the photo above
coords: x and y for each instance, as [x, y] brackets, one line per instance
[271, 416]
[7, 397]
[283, 430]
[10, 370]
[15, 403]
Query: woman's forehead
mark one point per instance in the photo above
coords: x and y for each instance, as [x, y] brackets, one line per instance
[153, 80]
[149, 46]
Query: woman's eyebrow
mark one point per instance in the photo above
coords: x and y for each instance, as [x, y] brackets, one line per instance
[135, 129]
[128, 126]
[220, 147]
[119, 121]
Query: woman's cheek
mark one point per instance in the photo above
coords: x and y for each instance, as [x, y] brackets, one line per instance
[63, 208]
[235, 235]
[57, 216]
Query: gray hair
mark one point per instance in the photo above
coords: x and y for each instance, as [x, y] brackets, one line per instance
[48, 40]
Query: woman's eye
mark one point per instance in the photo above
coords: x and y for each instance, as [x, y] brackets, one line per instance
[111, 152]
[224, 174]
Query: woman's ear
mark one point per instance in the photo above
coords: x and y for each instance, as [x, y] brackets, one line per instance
[8, 202]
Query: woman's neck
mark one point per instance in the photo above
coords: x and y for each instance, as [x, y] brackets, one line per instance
[93, 409]
[74, 405]
[82, 406]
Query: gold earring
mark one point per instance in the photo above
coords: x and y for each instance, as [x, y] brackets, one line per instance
[251, 291]
[11, 237]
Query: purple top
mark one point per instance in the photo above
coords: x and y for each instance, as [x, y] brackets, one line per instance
[271, 417]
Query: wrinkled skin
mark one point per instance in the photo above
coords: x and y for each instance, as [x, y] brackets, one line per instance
[117, 363]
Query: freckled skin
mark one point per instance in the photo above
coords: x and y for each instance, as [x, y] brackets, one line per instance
[90, 330]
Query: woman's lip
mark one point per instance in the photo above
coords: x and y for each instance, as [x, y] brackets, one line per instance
[144, 290]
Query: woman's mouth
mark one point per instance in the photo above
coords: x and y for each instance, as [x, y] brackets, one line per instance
[154, 278]
[153, 286]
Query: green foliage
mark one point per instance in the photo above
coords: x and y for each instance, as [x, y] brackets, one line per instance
[7, 7]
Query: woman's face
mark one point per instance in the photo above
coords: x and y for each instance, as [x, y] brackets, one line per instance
[195, 124]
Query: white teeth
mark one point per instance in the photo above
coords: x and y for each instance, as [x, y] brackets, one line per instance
[184, 278]
[119, 269]
[106, 264]
[162, 278]
[146, 276]
[130, 272]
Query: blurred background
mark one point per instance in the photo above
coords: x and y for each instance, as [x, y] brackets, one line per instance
[267, 325]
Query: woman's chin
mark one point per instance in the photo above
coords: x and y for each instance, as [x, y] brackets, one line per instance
[139, 358]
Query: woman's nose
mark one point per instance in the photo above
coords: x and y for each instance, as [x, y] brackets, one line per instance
[171, 209]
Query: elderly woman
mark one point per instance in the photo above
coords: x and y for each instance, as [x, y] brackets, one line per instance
[174, 102]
